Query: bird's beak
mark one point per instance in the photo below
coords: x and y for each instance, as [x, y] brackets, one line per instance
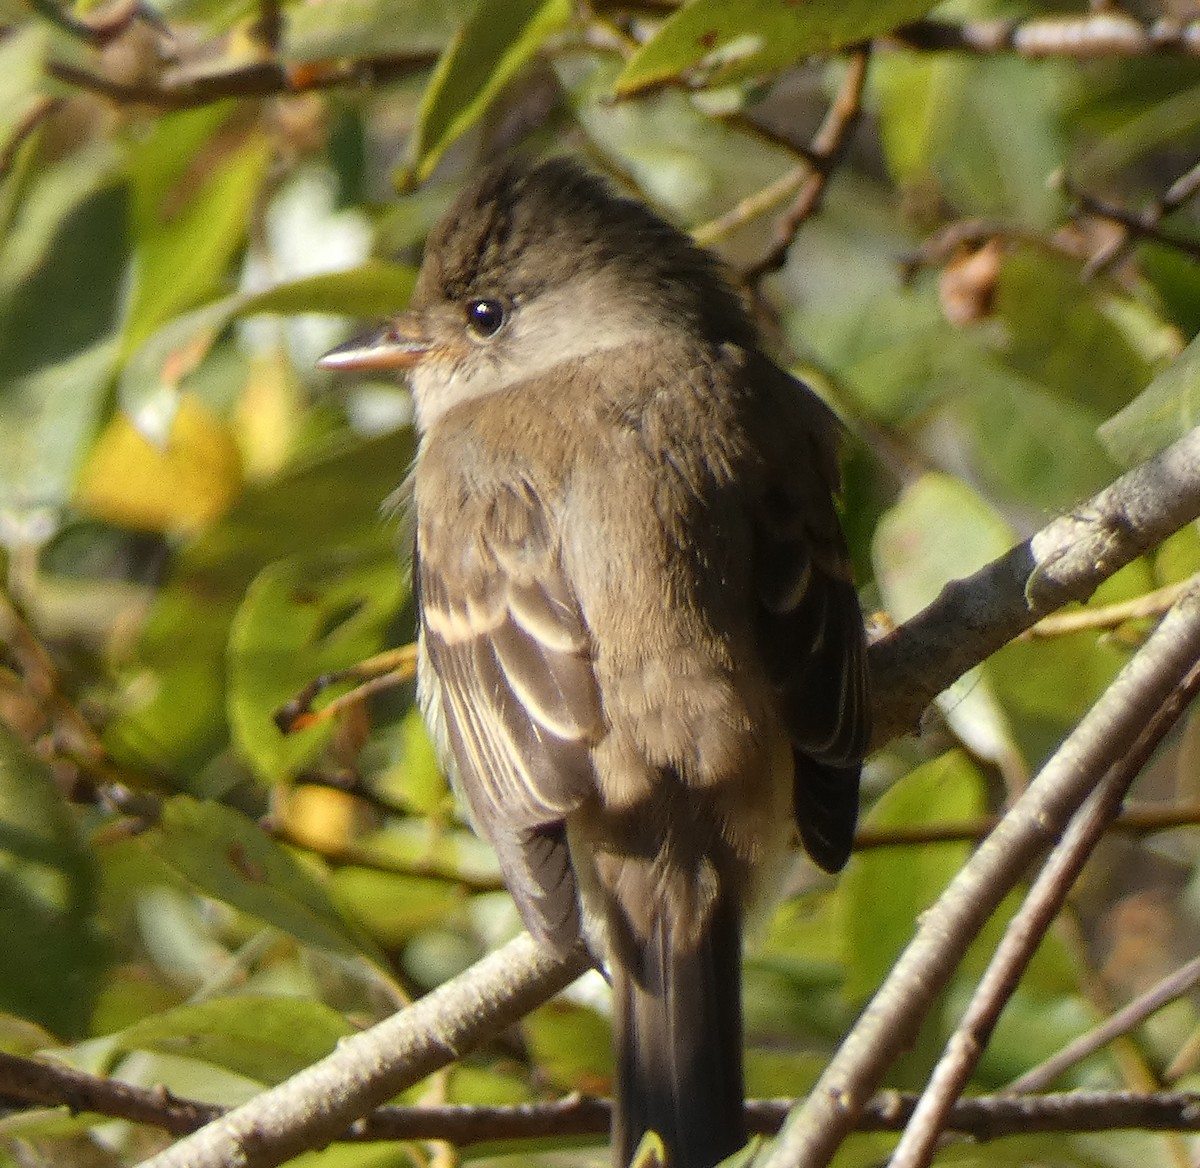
[399, 344]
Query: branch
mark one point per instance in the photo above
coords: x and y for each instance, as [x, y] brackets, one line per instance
[1067, 560]
[1137, 224]
[1169, 989]
[321, 1102]
[985, 1117]
[185, 90]
[824, 153]
[1107, 732]
[1098, 34]
[1137, 821]
[1025, 931]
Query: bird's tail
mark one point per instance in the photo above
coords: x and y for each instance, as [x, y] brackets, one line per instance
[679, 1042]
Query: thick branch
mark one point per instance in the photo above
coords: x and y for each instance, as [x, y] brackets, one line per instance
[319, 1104]
[1067, 560]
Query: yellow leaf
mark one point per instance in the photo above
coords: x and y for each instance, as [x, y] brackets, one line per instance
[188, 482]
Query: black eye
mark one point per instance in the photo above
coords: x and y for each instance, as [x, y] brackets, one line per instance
[485, 318]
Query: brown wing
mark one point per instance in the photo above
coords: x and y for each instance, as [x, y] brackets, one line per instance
[811, 630]
[504, 636]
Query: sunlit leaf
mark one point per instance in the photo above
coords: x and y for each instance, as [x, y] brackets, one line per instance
[488, 51]
[263, 1038]
[1167, 409]
[187, 483]
[302, 618]
[189, 223]
[888, 888]
[152, 374]
[728, 39]
[226, 856]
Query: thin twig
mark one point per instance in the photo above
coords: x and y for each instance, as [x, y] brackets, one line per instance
[1027, 928]
[256, 79]
[1099, 34]
[1136, 821]
[1110, 616]
[813, 1132]
[1168, 990]
[825, 152]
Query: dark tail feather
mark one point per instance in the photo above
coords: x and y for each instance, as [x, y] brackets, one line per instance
[826, 804]
[679, 1046]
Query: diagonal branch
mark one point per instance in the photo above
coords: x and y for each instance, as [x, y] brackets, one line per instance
[1025, 932]
[1105, 734]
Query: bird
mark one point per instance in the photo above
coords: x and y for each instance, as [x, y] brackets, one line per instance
[641, 652]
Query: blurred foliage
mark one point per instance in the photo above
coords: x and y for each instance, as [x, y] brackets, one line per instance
[195, 523]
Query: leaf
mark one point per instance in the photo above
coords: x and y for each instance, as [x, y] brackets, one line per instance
[494, 44]
[53, 954]
[728, 40]
[47, 419]
[224, 855]
[151, 377]
[302, 618]
[939, 530]
[983, 133]
[1165, 410]
[186, 484]
[887, 889]
[571, 1045]
[264, 1038]
[370, 28]
[392, 907]
[188, 225]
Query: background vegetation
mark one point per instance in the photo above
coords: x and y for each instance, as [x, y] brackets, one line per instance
[197, 197]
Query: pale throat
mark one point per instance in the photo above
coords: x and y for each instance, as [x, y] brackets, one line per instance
[563, 325]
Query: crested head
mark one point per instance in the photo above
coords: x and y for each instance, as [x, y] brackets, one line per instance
[534, 268]
[521, 230]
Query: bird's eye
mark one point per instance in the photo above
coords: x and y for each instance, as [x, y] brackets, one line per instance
[485, 318]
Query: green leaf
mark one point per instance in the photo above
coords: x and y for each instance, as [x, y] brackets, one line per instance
[52, 955]
[150, 379]
[187, 226]
[224, 855]
[370, 28]
[727, 40]
[47, 419]
[938, 531]
[264, 1038]
[299, 619]
[1165, 410]
[495, 43]
[983, 132]
[886, 889]
[392, 907]
[571, 1045]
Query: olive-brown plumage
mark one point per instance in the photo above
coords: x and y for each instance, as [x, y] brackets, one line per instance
[641, 651]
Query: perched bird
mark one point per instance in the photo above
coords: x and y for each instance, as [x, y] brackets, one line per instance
[641, 653]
